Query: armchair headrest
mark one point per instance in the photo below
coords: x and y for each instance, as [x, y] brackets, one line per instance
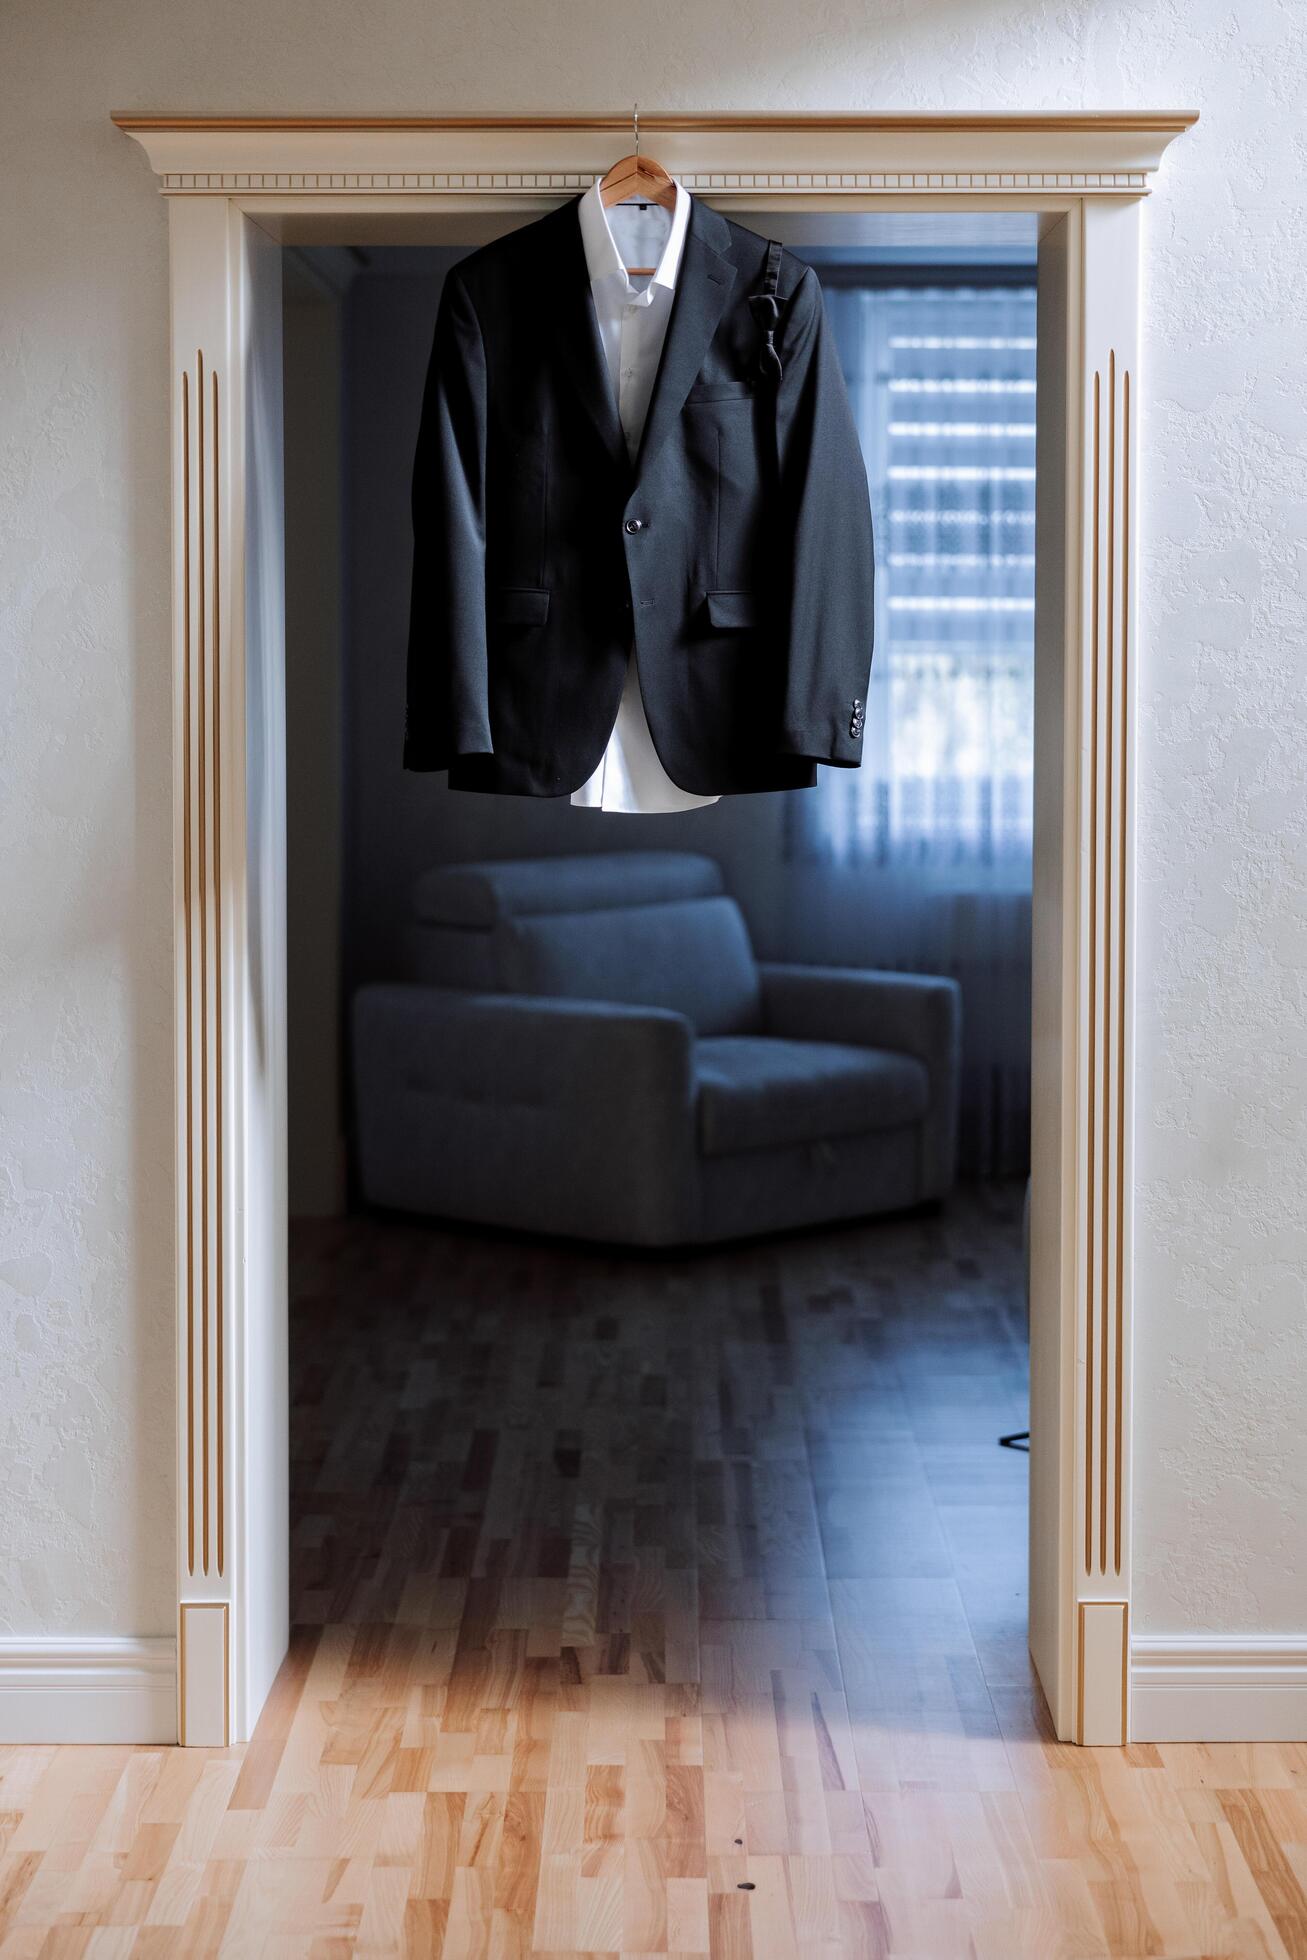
[481, 896]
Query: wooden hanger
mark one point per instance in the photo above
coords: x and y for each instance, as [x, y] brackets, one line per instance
[639, 177]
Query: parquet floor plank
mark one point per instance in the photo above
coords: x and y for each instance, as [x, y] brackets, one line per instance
[657, 1607]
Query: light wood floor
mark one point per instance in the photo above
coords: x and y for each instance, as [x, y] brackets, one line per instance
[657, 1607]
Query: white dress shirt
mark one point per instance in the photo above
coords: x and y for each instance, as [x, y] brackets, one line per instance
[632, 324]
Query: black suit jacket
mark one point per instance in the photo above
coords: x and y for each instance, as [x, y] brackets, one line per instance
[735, 555]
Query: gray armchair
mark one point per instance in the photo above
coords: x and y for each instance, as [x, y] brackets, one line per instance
[587, 1046]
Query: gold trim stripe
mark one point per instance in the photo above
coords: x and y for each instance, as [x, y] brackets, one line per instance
[1092, 1166]
[204, 997]
[201, 579]
[186, 926]
[1108, 754]
[217, 983]
[1108, 916]
[1121, 967]
[1111, 121]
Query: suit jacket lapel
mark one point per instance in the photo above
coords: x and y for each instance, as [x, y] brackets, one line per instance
[577, 330]
[703, 286]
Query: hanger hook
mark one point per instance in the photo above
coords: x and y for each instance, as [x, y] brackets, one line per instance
[635, 124]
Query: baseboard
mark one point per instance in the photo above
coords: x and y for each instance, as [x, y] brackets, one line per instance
[1184, 1688]
[108, 1690]
[1205, 1688]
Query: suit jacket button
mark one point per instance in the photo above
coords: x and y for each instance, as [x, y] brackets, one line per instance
[634, 524]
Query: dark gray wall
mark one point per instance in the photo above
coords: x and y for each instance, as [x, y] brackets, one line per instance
[312, 357]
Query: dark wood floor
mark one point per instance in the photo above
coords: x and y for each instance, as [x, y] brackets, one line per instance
[753, 1494]
[810, 1419]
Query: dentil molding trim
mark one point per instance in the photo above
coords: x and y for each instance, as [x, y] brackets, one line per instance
[121, 1690]
[725, 155]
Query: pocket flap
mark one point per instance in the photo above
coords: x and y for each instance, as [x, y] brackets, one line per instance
[722, 391]
[518, 605]
[733, 608]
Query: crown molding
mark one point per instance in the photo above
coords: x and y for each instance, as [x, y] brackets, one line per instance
[1172, 121]
[1112, 152]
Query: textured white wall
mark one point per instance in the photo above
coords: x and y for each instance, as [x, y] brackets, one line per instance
[85, 1264]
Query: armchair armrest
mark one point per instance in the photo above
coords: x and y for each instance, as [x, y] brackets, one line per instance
[913, 1013]
[555, 1115]
[910, 1013]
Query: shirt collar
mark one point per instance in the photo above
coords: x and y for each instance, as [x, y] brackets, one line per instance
[602, 257]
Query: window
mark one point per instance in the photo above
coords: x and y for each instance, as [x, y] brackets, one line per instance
[921, 859]
[942, 381]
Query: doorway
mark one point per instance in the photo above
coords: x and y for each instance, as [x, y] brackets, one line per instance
[736, 1521]
[921, 1533]
[1084, 176]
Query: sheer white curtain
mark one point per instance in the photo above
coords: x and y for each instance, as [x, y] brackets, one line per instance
[921, 858]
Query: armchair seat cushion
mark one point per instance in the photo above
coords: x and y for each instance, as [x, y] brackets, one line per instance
[758, 1093]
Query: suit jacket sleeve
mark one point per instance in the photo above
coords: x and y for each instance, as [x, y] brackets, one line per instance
[448, 707]
[828, 511]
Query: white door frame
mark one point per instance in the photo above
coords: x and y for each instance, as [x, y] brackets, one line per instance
[237, 188]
